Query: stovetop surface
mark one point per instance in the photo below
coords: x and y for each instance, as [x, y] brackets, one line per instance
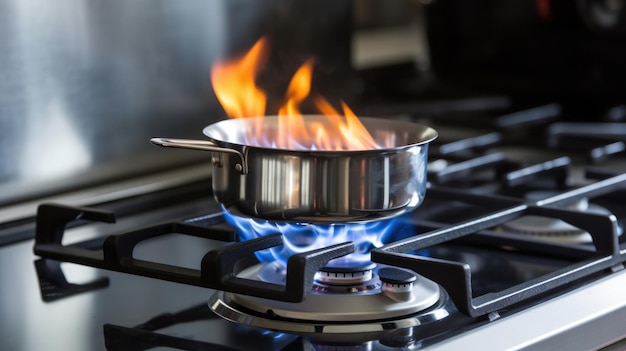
[134, 312]
[123, 314]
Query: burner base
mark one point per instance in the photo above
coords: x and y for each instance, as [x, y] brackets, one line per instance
[342, 303]
[553, 229]
[348, 332]
[337, 312]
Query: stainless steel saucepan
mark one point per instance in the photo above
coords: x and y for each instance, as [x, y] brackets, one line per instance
[311, 185]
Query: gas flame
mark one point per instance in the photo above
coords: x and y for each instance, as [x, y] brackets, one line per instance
[234, 85]
[303, 237]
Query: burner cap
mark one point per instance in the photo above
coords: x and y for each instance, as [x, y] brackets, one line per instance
[395, 276]
[396, 280]
[366, 266]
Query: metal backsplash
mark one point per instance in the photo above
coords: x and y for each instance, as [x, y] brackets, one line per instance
[85, 84]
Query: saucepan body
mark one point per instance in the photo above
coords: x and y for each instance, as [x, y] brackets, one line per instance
[257, 179]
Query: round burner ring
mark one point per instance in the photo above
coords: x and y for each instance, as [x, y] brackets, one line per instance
[553, 229]
[345, 332]
[345, 275]
[341, 303]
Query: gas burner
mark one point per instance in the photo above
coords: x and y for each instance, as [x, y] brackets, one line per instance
[345, 275]
[554, 229]
[545, 228]
[362, 303]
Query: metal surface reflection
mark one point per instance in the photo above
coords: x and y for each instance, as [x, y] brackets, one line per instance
[84, 85]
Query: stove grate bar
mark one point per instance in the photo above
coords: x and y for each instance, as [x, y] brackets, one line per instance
[525, 243]
[455, 277]
[531, 116]
[559, 132]
[603, 153]
[478, 143]
[463, 169]
[559, 168]
[219, 267]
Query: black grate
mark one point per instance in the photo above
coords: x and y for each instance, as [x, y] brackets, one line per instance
[456, 277]
[219, 267]
[480, 187]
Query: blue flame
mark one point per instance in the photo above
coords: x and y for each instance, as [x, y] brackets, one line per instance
[302, 237]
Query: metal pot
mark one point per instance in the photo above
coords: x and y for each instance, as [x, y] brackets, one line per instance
[315, 186]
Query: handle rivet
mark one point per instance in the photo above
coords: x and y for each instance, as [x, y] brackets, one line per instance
[238, 167]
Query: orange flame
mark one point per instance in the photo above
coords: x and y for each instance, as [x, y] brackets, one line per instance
[234, 85]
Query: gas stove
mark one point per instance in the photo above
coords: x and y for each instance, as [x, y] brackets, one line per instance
[518, 245]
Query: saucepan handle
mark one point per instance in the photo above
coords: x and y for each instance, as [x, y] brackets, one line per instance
[205, 145]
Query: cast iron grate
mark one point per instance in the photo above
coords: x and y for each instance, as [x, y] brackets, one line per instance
[219, 267]
[456, 277]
